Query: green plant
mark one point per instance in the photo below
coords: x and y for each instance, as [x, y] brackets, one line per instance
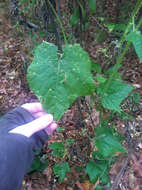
[66, 76]
[107, 143]
[60, 150]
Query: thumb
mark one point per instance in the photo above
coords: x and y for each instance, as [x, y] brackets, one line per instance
[34, 126]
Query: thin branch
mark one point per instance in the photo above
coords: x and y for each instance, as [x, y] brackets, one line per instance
[58, 28]
[131, 149]
[121, 173]
[59, 21]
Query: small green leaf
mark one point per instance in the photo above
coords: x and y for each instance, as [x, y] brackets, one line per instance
[37, 153]
[115, 94]
[136, 97]
[136, 38]
[99, 187]
[138, 47]
[37, 165]
[70, 141]
[96, 170]
[100, 79]
[101, 19]
[110, 26]
[74, 19]
[100, 36]
[106, 142]
[58, 148]
[125, 116]
[61, 170]
[96, 67]
[116, 27]
[120, 27]
[85, 26]
[92, 5]
[60, 129]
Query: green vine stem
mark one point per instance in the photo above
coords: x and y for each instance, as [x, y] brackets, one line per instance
[121, 55]
[59, 21]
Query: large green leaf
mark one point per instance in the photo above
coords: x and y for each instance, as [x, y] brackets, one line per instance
[114, 95]
[106, 142]
[58, 80]
[136, 38]
[96, 169]
[61, 169]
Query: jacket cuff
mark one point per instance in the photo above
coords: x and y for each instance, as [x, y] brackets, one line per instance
[20, 116]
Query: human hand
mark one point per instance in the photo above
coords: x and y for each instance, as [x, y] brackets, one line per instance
[42, 121]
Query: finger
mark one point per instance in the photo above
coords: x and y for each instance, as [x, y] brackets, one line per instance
[39, 114]
[32, 127]
[33, 107]
[51, 128]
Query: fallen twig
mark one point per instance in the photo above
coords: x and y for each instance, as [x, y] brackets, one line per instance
[121, 173]
[131, 149]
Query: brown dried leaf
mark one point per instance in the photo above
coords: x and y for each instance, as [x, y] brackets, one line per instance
[83, 186]
[116, 167]
[95, 117]
[48, 172]
[136, 164]
[87, 185]
[133, 182]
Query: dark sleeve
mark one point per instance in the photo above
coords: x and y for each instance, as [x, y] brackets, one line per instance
[16, 151]
[16, 156]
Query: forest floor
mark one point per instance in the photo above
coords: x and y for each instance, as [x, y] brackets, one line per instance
[125, 173]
